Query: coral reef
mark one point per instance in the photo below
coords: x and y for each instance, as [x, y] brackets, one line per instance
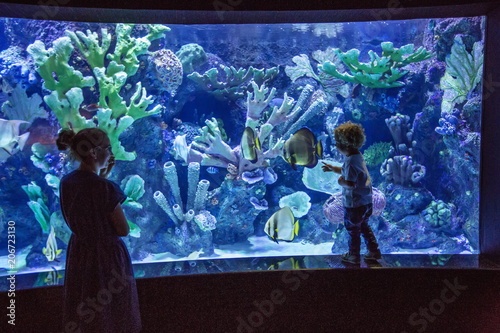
[448, 123]
[209, 149]
[188, 237]
[317, 180]
[299, 203]
[133, 187]
[463, 73]
[381, 72]
[38, 205]
[377, 153]
[168, 70]
[400, 168]
[438, 214]
[191, 56]
[21, 107]
[235, 83]
[65, 82]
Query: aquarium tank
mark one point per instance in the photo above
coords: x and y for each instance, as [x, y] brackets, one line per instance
[199, 117]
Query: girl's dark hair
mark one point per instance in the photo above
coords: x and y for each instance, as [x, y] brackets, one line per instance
[80, 143]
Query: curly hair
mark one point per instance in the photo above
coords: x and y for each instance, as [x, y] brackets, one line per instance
[80, 143]
[350, 135]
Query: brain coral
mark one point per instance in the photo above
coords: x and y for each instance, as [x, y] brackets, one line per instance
[168, 70]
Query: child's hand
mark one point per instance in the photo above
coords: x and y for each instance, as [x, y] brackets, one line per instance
[327, 167]
[104, 172]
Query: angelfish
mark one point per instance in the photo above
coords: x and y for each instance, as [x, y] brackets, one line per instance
[51, 251]
[302, 149]
[281, 225]
[249, 145]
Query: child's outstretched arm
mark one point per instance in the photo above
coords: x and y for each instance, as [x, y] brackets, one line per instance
[328, 167]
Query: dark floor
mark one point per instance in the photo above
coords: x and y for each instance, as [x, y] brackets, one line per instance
[403, 294]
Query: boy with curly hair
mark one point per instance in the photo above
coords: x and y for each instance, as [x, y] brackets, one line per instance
[356, 192]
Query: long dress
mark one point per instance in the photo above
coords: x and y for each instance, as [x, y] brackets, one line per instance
[100, 293]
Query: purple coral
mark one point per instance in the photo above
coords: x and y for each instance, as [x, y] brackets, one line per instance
[251, 177]
[334, 211]
[270, 177]
[448, 123]
[259, 204]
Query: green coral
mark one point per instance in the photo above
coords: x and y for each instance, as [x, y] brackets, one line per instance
[438, 213]
[114, 115]
[377, 153]
[236, 83]
[38, 205]
[380, 72]
[53, 182]
[191, 55]
[463, 73]
[39, 151]
[63, 80]
[133, 187]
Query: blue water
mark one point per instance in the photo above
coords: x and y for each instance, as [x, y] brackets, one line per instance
[435, 213]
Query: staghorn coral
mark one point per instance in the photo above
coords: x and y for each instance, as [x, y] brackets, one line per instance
[114, 115]
[380, 72]
[209, 149]
[236, 81]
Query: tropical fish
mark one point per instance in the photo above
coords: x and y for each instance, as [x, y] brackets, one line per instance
[212, 170]
[281, 225]
[249, 145]
[51, 251]
[302, 149]
[289, 263]
[53, 277]
[10, 140]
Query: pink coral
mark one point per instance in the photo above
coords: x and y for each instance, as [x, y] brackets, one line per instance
[334, 211]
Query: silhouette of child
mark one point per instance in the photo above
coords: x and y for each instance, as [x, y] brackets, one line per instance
[100, 293]
[356, 192]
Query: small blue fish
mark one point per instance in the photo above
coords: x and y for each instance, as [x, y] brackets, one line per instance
[212, 170]
[151, 164]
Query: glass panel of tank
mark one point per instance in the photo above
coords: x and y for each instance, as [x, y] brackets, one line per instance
[201, 120]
